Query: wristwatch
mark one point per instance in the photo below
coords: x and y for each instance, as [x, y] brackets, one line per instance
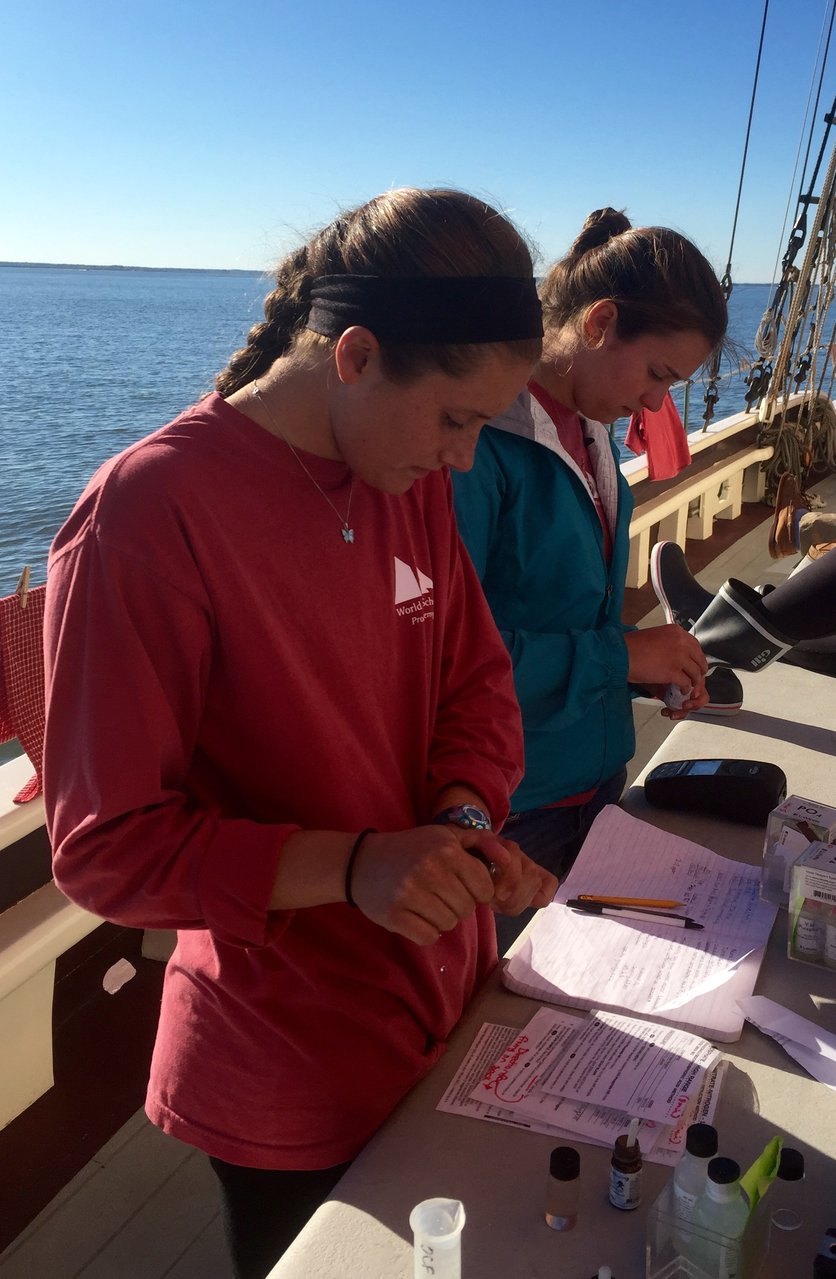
[466, 815]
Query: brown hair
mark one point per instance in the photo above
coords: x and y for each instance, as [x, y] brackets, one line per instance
[401, 233]
[659, 281]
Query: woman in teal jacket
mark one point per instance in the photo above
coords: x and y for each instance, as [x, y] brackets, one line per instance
[545, 514]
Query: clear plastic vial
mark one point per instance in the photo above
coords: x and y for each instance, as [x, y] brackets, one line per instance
[722, 1210]
[437, 1227]
[563, 1188]
[690, 1173]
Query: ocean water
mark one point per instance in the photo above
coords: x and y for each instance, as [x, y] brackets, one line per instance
[91, 360]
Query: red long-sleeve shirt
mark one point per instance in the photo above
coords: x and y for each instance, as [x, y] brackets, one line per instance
[223, 669]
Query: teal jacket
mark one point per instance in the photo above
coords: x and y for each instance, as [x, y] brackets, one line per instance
[532, 530]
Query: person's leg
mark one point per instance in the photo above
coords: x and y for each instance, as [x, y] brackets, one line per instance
[545, 835]
[816, 533]
[740, 627]
[790, 506]
[804, 606]
[552, 837]
[264, 1210]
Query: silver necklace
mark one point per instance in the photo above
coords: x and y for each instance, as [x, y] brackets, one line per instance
[347, 532]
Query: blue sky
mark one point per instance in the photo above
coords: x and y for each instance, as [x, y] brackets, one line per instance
[208, 133]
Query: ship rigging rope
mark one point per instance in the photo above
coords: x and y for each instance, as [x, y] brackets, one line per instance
[805, 435]
[711, 394]
[766, 339]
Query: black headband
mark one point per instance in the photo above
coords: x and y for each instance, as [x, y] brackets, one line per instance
[449, 310]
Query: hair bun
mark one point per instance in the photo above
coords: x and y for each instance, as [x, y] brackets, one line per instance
[599, 227]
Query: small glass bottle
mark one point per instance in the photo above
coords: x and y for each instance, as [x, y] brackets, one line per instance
[563, 1188]
[723, 1211]
[690, 1173]
[808, 934]
[778, 1216]
[786, 1194]
[626, 1171]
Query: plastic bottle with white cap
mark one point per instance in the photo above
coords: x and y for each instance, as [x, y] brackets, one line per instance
[723, 1211]
[690, 1173]
[437, 1229]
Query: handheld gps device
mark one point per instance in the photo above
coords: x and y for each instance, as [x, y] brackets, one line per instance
[740, 790]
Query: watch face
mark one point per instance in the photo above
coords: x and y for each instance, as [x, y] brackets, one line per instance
[469, 815]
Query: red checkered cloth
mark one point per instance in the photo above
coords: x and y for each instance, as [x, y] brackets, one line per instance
[22, 680]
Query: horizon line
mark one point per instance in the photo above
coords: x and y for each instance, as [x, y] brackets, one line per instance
[213, 270]
[121, 266]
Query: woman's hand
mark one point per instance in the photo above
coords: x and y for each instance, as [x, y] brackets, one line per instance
[423, 882]
[665, 655]
[695, 700]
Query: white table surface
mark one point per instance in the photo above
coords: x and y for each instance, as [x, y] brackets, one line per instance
[362, 1231]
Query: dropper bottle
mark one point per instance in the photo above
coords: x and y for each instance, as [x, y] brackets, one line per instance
[626, 1170]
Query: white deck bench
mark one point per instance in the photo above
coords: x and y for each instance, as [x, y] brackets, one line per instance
[33, 933]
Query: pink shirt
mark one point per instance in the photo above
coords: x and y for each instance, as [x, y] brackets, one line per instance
[223, 669]
[569, 426]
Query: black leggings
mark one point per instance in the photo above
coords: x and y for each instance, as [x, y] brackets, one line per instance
[804, 606]
[264, 1210]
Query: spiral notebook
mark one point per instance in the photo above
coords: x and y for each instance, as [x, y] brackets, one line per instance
[675, 976]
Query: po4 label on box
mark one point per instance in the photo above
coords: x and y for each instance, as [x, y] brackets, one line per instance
[790, 830]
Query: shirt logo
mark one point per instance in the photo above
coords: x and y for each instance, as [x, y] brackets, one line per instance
[413, 592]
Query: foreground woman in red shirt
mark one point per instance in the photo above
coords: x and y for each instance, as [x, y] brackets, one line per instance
[280, 718]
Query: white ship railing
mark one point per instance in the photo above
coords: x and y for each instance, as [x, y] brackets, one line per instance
[33, 933]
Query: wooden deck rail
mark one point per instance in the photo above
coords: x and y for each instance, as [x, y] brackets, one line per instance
[719, 489]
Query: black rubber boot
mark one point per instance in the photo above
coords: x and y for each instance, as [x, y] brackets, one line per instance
[737, 630]
[677, 590]
[684, 600]
[725, 693]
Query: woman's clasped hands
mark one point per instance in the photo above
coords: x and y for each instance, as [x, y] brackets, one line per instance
[423, 882]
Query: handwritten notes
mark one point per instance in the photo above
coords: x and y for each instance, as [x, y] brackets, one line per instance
[681, 977]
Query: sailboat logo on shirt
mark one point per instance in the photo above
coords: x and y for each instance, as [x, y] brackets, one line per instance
[413, 592]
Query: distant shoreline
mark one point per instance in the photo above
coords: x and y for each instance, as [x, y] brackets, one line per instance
[197, 270]
[86, 266]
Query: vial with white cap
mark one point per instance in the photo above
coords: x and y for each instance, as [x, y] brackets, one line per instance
[437, 1229]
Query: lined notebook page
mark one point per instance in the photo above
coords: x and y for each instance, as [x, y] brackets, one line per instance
[676, 976]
